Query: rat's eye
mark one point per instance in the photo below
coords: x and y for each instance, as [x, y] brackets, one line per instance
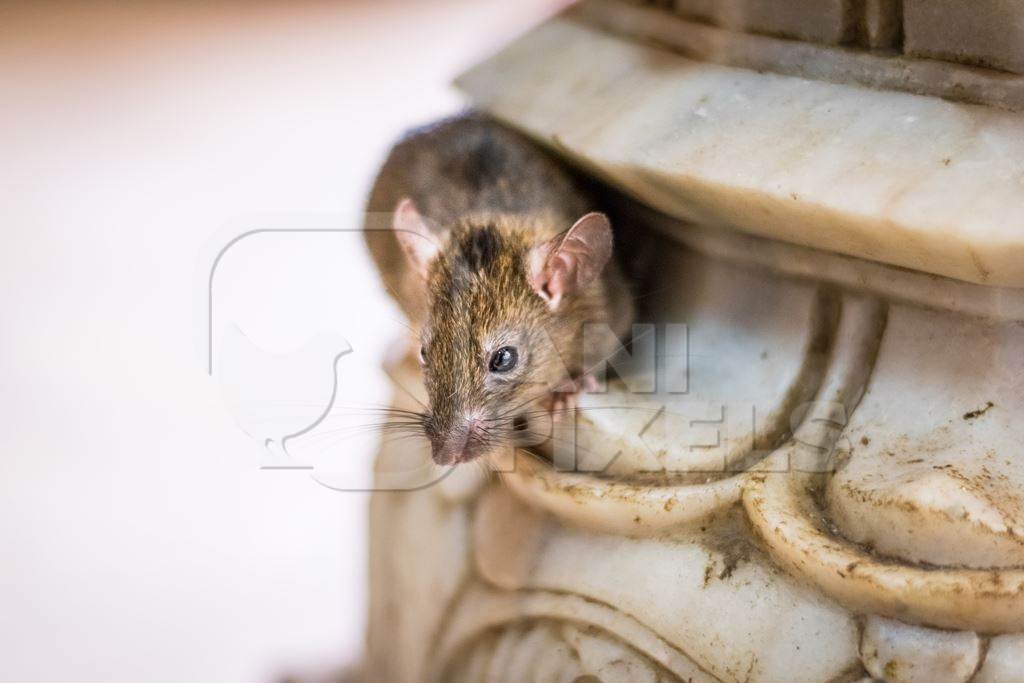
[423, 355]
[504, 359]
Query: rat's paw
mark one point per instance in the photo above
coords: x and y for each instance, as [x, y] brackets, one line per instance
[565, 396]
[562, 404]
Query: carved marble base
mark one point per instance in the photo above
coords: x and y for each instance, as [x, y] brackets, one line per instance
[893, 507]
[837, 492]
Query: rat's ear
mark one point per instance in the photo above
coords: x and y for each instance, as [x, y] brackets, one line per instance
[571, 260]
[414, 236]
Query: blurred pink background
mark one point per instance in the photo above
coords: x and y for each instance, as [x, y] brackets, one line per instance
[141, 540]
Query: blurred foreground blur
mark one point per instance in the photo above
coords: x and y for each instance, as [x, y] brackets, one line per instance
[141, 541]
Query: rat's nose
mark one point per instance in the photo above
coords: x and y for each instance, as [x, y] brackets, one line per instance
[449, 451]
[455, 445]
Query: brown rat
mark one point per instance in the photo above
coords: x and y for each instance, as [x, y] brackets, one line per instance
[496, 252]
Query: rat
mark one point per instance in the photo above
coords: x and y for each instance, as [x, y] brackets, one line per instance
[497, 254]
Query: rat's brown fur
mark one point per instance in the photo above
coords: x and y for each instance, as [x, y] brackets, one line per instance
[493, 195]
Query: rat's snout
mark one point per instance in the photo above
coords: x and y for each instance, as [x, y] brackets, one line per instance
[456, 442]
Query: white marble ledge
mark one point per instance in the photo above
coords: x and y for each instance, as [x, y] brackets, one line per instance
[909, 180]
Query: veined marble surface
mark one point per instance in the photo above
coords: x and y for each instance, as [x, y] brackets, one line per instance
[919, 182]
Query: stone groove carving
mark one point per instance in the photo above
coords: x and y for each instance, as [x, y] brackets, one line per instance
[542, 650]
[547, 636]
[936, 488]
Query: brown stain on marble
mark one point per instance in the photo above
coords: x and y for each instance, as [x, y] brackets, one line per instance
[980, 411]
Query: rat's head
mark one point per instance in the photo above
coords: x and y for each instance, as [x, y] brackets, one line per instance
[503, 327]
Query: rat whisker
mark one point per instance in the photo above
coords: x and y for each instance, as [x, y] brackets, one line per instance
[352, 430]
[408, 393]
